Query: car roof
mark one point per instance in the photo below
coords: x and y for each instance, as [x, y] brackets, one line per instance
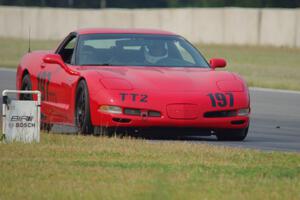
[122, 31]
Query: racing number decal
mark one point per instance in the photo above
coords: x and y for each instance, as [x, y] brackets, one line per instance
[43, 84]
[221, 99]
[143, 98]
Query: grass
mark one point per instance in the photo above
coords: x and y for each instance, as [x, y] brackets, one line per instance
[268, 67]
[78, 167]
[12, 50]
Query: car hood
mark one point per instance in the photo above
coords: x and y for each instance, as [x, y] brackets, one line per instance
[160, 78]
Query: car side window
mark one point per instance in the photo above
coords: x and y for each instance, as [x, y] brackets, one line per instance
[67, 51]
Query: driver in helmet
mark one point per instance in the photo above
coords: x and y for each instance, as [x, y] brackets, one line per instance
[156, 51]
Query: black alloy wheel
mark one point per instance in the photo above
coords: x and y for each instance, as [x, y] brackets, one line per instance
[26, 85]
[82, 109]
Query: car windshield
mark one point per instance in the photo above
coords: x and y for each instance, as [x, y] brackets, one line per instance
[137, 50]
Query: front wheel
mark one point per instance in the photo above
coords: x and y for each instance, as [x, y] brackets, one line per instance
[82, 109]
[26, 85]
[232, 134]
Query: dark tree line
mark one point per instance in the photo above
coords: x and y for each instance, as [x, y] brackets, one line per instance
[153, 3]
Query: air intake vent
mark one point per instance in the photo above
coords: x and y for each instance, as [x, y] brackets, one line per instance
[138, 112]
[216, 114]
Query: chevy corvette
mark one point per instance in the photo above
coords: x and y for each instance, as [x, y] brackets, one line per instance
[103, 79]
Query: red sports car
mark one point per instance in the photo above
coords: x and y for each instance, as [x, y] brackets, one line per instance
[100, 79]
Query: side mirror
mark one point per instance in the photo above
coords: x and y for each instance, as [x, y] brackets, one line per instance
[217, 63]
[53, 59]
[56, 59]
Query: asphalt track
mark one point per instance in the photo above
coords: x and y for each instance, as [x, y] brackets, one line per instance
[275, 118]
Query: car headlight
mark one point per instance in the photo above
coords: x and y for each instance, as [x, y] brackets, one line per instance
[116, 84]
[230, 86]
[243, 112]
[110, 109]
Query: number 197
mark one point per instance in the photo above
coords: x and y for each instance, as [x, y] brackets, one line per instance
[221, 99]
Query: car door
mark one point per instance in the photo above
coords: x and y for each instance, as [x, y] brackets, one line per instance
[55, 85]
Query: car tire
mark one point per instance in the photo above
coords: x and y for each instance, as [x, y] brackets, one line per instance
[82, 109]
[232, 134]
[102, 131]
[26, 85]
[46, 127]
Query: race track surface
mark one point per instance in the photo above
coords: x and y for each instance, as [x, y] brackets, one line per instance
[275, 118]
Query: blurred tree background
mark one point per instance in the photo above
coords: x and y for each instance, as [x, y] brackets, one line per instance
[153, 3]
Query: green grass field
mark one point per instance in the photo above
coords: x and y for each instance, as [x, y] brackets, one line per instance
[261, 66]
[83, 167]
[12, 50]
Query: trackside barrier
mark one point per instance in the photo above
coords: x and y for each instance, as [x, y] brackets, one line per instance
[21, 118]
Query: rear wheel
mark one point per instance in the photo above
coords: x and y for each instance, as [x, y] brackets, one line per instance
[82, 109]
[26, 85]
[46, 127]
[232, 134]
